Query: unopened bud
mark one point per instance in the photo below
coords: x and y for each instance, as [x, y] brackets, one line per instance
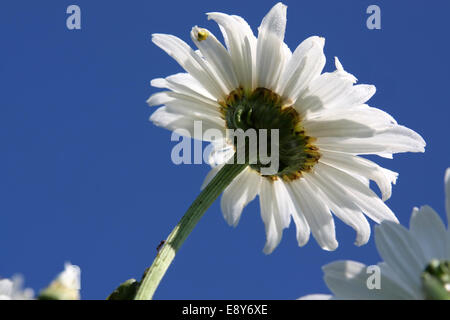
[66, 286]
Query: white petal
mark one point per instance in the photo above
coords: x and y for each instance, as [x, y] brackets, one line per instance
[448, 245]
[340, 70]
[355, 191]
[301, 225]
[217, 56]
[348, 280]
[241, 44]
[366, 117]
[242, 190]
[339, 128]
[275, 205]
[348, 212]
[220, 153]
[183, 104]
[211, 174]
[275, 21]
[70, 278]
[427, 228]
[447, 194]
[335, 91]
[307, 201]
[250, 57]
[270, 57]
[191, 62]
[287, 53]
[218, 157]
[274, 230]
[395, 286]
[369, 116]
[282, 201]
[359, 166]
[393, 140]
[305, 65]
[6, 289]
[323, 90]
[183, 83]
[302, 228]
[12, 289]
[159, 98]
[172, 121]
[401, 252]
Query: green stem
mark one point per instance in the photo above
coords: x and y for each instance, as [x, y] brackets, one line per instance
[152, 277]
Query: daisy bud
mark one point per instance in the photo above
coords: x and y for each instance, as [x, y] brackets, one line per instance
[66, 286]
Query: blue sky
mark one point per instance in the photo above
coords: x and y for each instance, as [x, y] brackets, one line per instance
[84, 177]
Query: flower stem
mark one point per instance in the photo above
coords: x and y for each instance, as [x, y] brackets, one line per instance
[153, 275]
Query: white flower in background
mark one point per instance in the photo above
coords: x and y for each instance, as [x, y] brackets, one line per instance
[66, 286]
[11, 289]
[323, 121]
[70, 277]
[411, 258]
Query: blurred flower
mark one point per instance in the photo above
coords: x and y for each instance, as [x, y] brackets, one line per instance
[323, 122]
[66, 286]
[11, 289]
[416, 261]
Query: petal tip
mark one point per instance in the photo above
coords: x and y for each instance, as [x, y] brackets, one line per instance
[447, 178]
[331, 246]
[268, 250]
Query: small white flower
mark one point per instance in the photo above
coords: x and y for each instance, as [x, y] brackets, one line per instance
[66, 285]
[323, 120]
[11, 289]
[70, 277]
[406, 254]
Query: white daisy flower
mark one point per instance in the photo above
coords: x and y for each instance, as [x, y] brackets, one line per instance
[415, 260]
[323, 120]
[11, 289]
